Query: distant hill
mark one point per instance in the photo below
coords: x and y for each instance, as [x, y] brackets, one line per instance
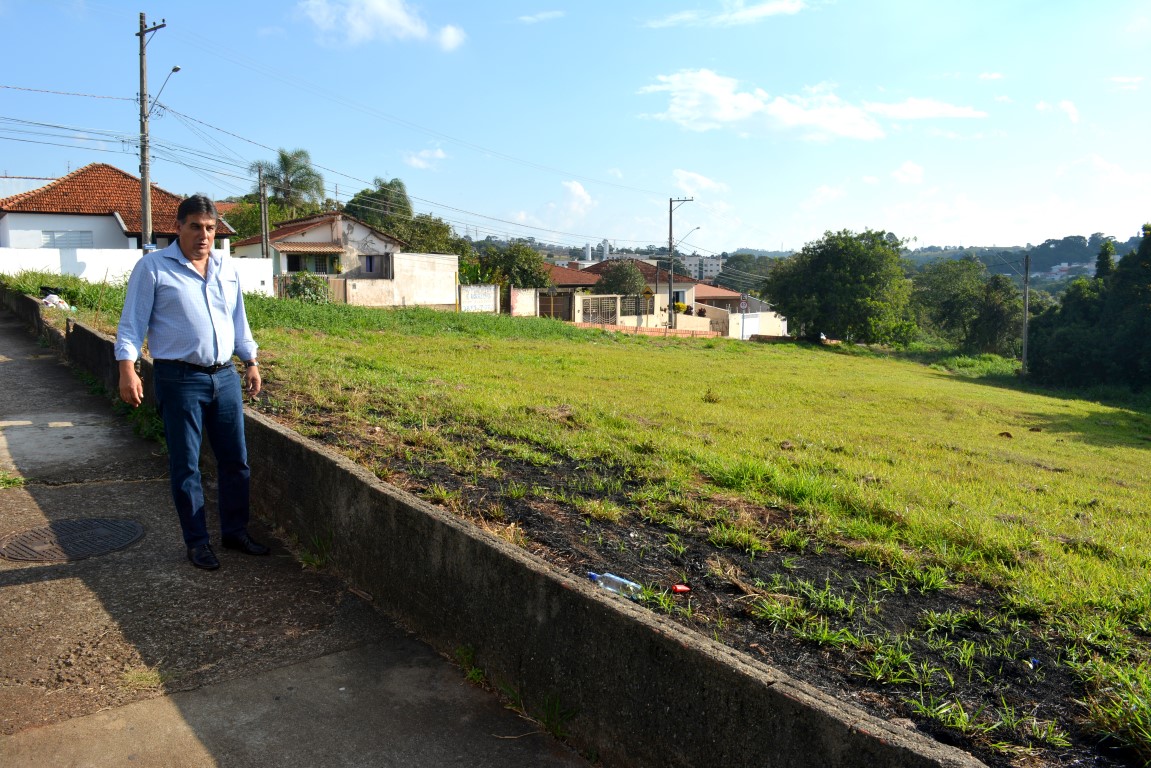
[763, 253]
[1073, 249]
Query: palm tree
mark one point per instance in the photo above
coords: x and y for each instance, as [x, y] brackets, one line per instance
[291, 178]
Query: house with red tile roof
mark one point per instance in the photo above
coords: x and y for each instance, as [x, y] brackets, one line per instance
[88, 224]
[370, 266]
[709, 307]
[97, 206]
[331, 243]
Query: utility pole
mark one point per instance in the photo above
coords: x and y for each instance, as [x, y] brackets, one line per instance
[145, 181]
[671, 201]
[1026, 306]
[265, 245]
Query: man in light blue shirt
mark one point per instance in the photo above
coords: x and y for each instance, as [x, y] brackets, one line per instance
[189, 305]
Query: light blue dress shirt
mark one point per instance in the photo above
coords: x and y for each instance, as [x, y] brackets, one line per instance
[199, 320]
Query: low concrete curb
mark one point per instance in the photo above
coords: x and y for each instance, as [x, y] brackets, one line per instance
[629, 687]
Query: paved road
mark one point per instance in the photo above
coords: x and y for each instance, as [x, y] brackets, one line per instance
[264, 663]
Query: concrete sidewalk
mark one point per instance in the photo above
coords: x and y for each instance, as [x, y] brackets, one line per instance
[136, 658]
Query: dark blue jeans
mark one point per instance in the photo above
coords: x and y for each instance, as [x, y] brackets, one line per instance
[191, 404]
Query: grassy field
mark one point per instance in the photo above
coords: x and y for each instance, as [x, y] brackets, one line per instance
[920, 471]
[941, 479]
[1043, 495]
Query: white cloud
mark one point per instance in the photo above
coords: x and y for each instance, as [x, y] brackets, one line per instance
[425, 159]
[823, 195]
[824, 115]
[355, 22]
[734, 13]
[702, 100]
[579, 202]
[908, 173]
[1067, 107]
[1127, 83]
[615, 173]
[921, 109]
[1114, 177]
[451, 37]
[543, 16]
[691, 183]
[990, 75]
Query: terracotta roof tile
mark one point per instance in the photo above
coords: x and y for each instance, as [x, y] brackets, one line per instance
[563, 276]
[310, 247]
[706, 291]
[101, 190]
[647, 270]
[286, 229]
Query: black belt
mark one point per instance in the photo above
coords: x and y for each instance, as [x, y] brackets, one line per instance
[193, 367]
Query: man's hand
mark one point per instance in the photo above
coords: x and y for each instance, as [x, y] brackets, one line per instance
[252, 381]
[131, 386]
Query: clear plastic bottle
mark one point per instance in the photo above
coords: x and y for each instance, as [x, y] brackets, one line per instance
[617, 584]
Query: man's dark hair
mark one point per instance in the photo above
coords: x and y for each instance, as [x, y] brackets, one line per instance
[196, 204]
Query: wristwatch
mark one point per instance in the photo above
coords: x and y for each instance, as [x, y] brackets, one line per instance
[251, 364]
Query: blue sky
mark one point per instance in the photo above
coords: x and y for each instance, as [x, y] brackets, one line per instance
[973, 122]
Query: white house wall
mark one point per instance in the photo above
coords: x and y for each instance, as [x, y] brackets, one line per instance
[427, 279]
[421, 279]
[255, 275]
[115, 265]
[23, 230]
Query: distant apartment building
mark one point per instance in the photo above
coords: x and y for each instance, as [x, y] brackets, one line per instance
[703, 267]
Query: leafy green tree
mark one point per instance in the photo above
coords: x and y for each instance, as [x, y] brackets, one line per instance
[245, 218]
[387, 207]
[847, 286]
[946, 296]
[291, 179]
[516, 264]
[1100, 333]
[998, 321]
[1105, 261]
[1127, 315]
[1067, 342]
[621, 278]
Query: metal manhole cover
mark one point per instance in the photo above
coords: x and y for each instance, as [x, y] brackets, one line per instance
[66, 540]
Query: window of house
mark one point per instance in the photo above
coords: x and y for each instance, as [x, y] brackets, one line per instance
[321, 265]
[293, 262]
[369, 263]
[69, 239]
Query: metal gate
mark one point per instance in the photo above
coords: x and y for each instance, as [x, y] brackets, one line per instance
[559, 307]
[601, 310]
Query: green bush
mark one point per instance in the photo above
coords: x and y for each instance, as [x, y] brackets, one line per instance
[308, 287]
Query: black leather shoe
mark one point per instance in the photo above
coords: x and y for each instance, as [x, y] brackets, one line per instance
[244, 543]
[203, 557]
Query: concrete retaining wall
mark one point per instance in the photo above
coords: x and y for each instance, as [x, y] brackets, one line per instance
[640, 690]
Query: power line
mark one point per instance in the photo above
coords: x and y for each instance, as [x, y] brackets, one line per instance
[67, 93]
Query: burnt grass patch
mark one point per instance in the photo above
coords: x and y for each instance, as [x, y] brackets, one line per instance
[905, 640]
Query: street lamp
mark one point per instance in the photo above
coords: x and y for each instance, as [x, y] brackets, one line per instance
[156, 100]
